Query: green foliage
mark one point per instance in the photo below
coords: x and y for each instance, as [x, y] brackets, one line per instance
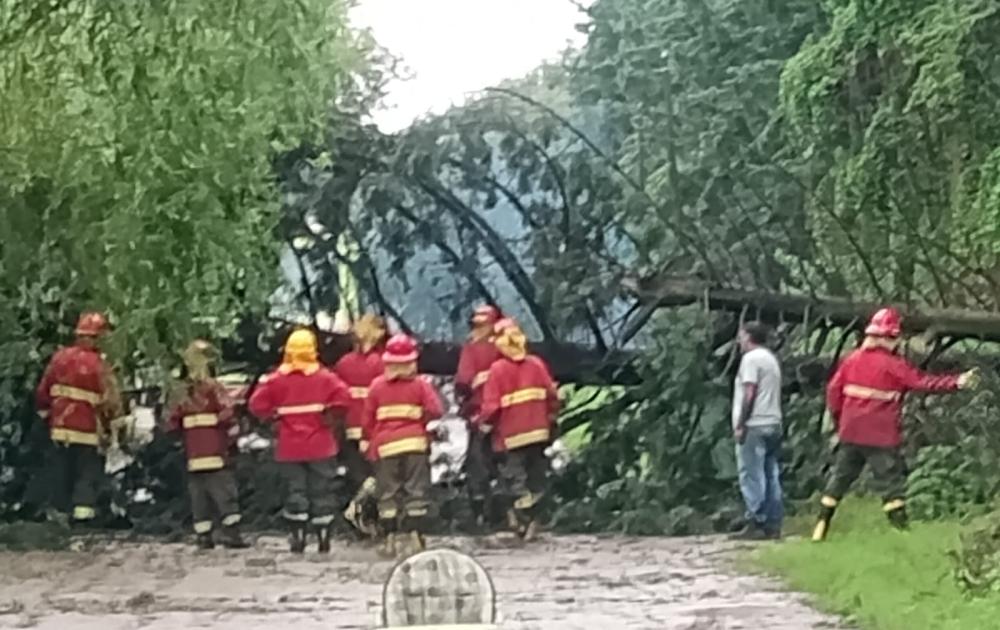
[943, 484]
[650, 465]
[136, 149]
[879, 578]
[887, 111]
[977, 559]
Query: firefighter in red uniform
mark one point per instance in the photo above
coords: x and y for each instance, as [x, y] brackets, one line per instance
[358, 369]
[521, 401]
[307, 401]
[204, 416]
[399, 406]
[78, 396]
[474, 362]
[865, 398]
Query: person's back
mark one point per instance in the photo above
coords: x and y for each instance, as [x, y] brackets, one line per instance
[761, 367]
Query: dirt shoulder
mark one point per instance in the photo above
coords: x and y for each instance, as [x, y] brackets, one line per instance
[560, 583]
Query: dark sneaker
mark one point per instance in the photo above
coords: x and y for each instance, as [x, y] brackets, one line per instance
[751, 531]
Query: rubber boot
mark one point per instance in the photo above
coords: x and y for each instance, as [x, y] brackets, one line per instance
[414, 543]
[826, 512]
[388, 547]
[297, 539]
[532, 531]
[898, 518]
[514, 522]
[323, 534]
[205, 542]
[231, 538]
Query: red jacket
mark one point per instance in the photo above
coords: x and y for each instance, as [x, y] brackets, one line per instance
[396, 415]
[205, 419]
[473, 367]
[75, 386]
[521, 400]
[865, 395]
[358, 370]
[301, 403]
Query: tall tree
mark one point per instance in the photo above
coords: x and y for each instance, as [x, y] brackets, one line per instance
[136, 148]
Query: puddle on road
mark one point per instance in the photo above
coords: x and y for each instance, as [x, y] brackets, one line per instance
[562, 583]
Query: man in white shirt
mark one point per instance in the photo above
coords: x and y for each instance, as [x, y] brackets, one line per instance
[758, 432]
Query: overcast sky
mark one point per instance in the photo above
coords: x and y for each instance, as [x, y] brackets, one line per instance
[457, 47]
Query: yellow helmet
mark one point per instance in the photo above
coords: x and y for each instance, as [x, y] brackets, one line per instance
[301, 353]
[510, 339]
[198, 358]
[369, 331]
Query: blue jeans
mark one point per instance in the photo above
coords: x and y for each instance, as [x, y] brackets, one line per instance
[760, 476]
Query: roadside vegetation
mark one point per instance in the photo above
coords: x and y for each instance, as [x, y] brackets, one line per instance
[879, 578]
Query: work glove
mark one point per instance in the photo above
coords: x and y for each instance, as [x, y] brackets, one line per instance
[970, 379]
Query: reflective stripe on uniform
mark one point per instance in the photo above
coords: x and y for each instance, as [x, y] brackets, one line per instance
[75, 393]
[359, 393]
[480, 379]
[71, 436]
[392, 412]
[200, 420]
[202, 527]
[84, 513]
[406, 445]
[322, 520]
[416, 511]
[388, 513]
[353, 433]
[294, 409]
[895, 504]
[870, 393]
[529, 394]
[297, 517]
[525, 439]
[232, 519]
[199, 464]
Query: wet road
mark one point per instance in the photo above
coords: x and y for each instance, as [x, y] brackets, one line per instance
[557, 584]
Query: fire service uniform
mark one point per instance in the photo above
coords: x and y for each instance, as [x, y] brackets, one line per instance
[306, 400]
[204, 417]
[399, 406]
[478, 354]
[358, 369]
[78, 397]
[865, 399]
[520, 400]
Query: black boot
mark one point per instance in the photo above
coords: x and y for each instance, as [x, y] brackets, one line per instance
[826, 512]
[898, 519]
[205, 541]
[323, 534]
[231, 538]
[297, 540]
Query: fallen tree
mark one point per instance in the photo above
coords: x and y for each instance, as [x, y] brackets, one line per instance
[669, 291]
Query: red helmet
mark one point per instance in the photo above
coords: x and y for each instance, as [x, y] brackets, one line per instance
[886, 322]
[485, 314]
[91, 324]
[400, 349]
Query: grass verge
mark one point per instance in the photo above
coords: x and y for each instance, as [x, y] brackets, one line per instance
[879, 578]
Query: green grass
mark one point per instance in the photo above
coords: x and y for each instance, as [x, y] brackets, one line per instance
[879, 578]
